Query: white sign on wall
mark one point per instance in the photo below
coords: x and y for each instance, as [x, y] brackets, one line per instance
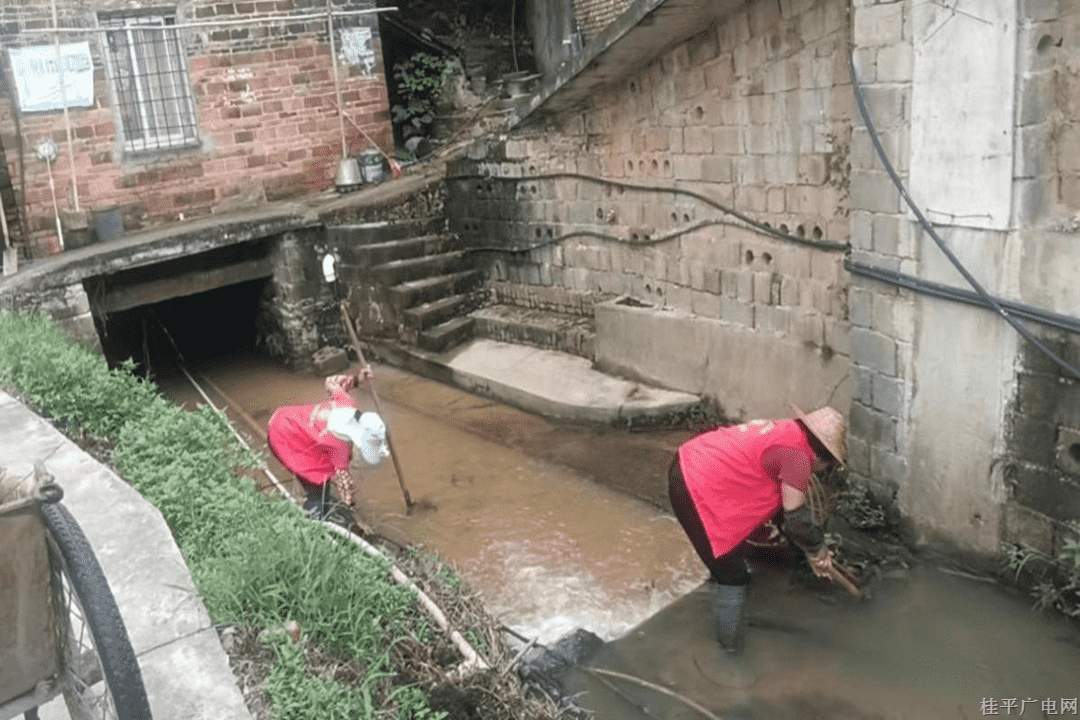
[962, 111]
[37, 76]
[357, 49]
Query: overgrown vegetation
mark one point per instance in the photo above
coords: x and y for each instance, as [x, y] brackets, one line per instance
[1055, 581]
[420, 81]
[356, 645]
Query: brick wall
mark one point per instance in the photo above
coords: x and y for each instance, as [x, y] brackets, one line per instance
[266, 114]
[753, 114]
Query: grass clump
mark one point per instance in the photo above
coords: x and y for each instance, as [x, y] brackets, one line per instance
[257, 562]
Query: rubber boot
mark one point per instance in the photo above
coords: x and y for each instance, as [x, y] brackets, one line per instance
[729, 617]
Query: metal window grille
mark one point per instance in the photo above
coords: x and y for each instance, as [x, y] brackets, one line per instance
[156, 107]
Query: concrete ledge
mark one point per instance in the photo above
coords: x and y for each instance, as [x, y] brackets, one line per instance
[545, 382]
[185, 670]
[748, 372]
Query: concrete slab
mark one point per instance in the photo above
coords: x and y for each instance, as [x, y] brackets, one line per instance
[550, 383]
[185, 669]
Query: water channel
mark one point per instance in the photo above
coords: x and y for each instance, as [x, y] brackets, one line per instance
[548, 522]
[549, 548]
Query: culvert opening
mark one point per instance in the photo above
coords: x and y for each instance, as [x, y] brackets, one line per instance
[203, 326]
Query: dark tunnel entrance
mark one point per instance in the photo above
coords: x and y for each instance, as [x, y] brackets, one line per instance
[200, 327]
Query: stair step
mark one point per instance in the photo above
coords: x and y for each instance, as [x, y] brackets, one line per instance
[374, 232]
[374, 254]
[448, 334]
[415, 292]
[399, 271]
[438, 311]
[546, 329]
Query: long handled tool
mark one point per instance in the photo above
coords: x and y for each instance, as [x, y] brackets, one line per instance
[375, 396]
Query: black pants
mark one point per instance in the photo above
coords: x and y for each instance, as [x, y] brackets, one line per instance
[728, 569]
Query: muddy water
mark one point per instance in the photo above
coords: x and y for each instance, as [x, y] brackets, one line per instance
[549, 549]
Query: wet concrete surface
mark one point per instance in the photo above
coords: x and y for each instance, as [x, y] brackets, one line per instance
[525, 507]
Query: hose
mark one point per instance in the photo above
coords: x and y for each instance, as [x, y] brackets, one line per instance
[985, 296]
[750, 223]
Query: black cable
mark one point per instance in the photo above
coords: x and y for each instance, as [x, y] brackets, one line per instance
[753, 224]
[645, 241]
[990, 301]
[946, 292]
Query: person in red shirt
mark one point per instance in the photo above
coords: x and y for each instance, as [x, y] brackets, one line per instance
[315, 442]
[724, 484]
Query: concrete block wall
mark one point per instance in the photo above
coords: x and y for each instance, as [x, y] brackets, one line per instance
[1048, 138]
[1043, 471]
[753, 115]
[1042, 426]
[883, 318]
[266, 114]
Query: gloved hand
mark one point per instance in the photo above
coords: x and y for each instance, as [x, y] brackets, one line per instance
[800, 528]
[343, 484]
[821, 562]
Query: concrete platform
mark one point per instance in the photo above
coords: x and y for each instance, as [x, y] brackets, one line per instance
[546, 382]
[185, 670]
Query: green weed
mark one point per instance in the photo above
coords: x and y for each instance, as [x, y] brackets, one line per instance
[256, 561]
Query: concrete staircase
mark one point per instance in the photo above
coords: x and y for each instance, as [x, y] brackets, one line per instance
[549, 318]
[415, 283]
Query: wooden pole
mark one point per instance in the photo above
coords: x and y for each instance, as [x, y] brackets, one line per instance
[375, 396]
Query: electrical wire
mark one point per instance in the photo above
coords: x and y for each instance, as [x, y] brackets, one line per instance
[750, 222]
[986, 297]
[946, 292]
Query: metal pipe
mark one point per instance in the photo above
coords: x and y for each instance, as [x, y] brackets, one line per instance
[63, 103]
[267, 20]
[337, 81]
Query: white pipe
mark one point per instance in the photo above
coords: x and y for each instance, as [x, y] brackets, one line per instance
[262, 465]
[473, 660]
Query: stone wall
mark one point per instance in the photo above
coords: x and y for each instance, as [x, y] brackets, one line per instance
[631, 195]
[595, 15]
[266, 113]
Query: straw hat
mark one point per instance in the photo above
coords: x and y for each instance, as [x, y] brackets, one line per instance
[367, 432]
[828, 426]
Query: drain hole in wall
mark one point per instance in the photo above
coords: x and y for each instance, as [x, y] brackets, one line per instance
[1045, 42]
[766, 257]
[783, 228]
[800, 231]
[674, 217]
[655, 165]
[1074, 452]
[749, 256]
[817, 233]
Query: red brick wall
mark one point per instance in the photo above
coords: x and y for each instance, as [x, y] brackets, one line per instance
[267, 120]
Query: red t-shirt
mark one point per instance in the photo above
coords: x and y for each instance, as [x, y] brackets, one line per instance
[298, 437]
[734, 473]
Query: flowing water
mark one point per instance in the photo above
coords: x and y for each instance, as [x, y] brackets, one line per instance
[514, 501]
[549, 549]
